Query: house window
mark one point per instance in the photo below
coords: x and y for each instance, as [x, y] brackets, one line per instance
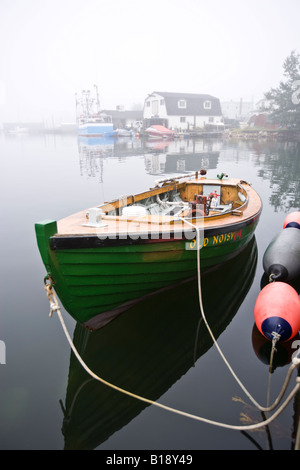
[207, 104]
[162, 102]
[148, 103]
[182, 119]
[211, 119]
[182, 104]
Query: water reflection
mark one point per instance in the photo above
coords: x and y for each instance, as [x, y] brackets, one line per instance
[281, 167]
[169, 163]
[276, 162]
[92, 150]
[161, 157]
[147, 349]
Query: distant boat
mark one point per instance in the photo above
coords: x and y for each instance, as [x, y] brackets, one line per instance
[18, 130]
[97, 126]
[125, 132]
[160, 132]
[90, 121]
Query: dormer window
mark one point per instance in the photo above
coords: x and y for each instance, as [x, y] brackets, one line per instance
[181, 104]
[207, 104]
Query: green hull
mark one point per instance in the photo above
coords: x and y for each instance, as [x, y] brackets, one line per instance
[93, 277]
[147, 349]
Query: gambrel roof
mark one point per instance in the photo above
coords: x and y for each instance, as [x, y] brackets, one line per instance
[194, 104]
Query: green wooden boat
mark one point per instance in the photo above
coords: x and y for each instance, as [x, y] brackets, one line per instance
[147, 349]
[102, 259]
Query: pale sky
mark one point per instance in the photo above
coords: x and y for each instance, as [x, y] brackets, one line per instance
[51, 49]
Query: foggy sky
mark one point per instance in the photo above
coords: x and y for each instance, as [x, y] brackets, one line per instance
[51, 49]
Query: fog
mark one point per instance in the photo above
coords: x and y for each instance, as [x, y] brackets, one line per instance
[51, 49]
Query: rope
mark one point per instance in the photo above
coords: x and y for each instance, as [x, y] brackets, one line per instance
[54, 307]
[276, 338]
[168, 408]
[292, 367]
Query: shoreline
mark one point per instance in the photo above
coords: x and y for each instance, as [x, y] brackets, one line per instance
[258, 134]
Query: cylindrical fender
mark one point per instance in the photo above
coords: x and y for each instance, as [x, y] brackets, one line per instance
[281, 259]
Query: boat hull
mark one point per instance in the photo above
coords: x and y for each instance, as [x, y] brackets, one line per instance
[97, 278]
[159, 132]
[158, 340]
[96, 129]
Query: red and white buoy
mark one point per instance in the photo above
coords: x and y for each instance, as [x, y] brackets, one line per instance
[277, 311]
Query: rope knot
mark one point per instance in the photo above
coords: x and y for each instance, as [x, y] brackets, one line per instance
[276, 337]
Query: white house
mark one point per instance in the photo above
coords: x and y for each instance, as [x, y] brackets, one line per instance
[185, 111]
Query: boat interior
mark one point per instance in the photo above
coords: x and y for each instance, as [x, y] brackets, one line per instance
[198, 197]
[189, 198]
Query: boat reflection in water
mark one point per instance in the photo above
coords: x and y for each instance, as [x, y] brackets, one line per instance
[92, 150]
[148, 348]
[96, 146]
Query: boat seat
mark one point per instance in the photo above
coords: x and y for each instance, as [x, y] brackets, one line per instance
[173, 210]
[222, 207]
[177, 198]
[153, 209]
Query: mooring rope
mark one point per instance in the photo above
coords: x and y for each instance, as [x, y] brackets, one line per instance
[296, 362]
[54, 307]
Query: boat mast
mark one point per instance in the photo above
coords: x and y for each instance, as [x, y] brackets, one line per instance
[76, 108]
[97, 99]
[87, 103]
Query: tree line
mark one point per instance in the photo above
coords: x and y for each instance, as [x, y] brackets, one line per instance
[284, 101]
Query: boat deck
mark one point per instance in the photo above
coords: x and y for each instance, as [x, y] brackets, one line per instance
[78, 223]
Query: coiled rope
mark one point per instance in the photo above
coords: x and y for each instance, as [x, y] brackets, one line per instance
[55, 307]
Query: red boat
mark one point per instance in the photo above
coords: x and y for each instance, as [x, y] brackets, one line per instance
[160, 132]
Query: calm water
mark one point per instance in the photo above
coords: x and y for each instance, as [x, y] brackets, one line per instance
[157, 349]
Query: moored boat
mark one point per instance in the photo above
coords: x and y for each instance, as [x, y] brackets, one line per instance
[103, 259]
[125, 132]
[97, 126]
[159, 132]
[91, 121]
